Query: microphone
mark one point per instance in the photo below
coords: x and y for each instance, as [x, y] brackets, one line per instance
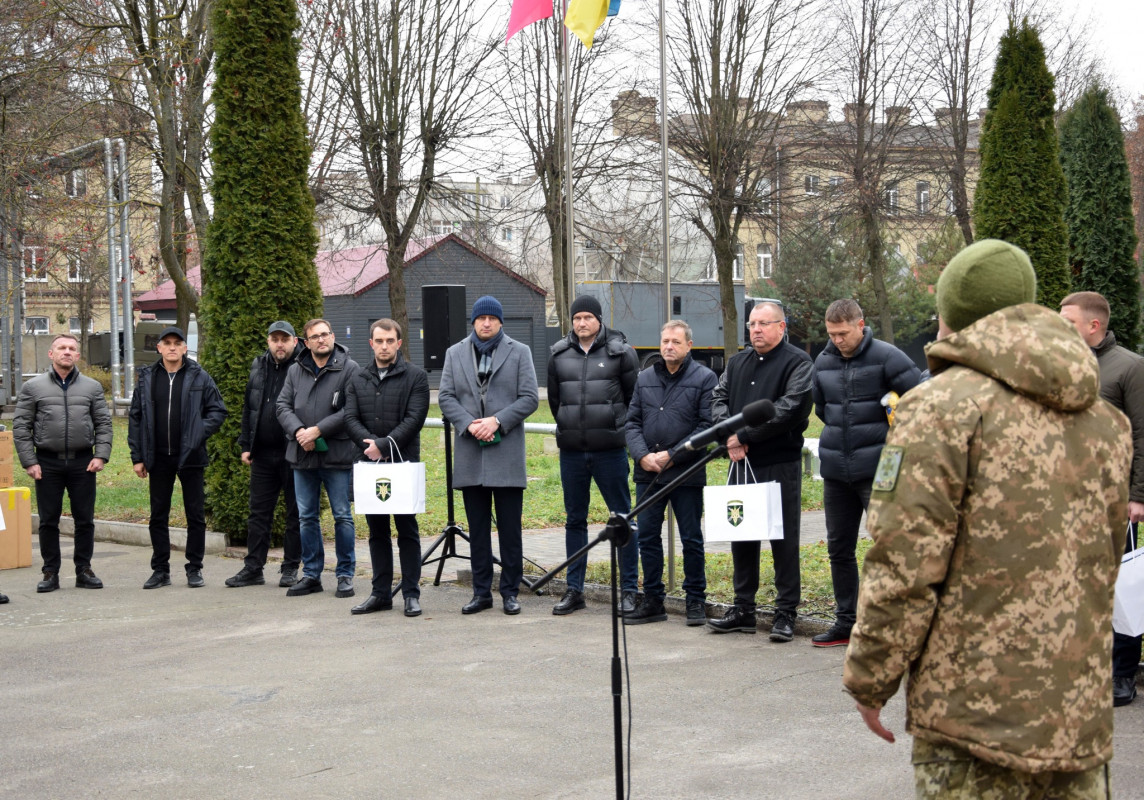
[752, 414]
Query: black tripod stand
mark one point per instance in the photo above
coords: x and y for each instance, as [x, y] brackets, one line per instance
[618, 531]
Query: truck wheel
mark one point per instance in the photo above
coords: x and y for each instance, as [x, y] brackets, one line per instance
[650, 360]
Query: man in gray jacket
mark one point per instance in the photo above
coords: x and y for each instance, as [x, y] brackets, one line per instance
[62, 432]
[311, 410]
[488, 389]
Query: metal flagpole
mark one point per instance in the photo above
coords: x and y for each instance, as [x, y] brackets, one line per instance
[666, 243]
[570, 227]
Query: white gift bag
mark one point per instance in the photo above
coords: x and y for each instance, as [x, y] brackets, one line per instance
[1128, 606]
[389, 487]
[745, 512]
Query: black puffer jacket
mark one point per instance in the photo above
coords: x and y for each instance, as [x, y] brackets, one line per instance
[308, 399]
[589, 392]
[203, 413]
[666, 410]
[393, 406]
[256, 402]
[848, 396]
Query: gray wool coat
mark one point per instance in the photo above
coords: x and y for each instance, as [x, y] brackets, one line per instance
[511, 397]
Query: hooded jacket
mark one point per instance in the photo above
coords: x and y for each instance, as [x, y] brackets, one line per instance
[998, 517]
[307, 399]
[848, 396]
[203, 412]
[589, 392]
[1122, 384]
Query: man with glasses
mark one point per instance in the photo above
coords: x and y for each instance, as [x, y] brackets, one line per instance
[174, 409]
[311, 411]
[770, 369]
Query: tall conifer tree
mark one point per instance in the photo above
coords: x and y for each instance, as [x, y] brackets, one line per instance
[1021, 193]
[1102, 239]
[259, 256]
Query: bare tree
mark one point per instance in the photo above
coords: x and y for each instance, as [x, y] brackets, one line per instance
[410, 76]
[737, 64]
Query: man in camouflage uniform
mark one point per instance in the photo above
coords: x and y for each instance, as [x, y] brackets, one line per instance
[997, 517]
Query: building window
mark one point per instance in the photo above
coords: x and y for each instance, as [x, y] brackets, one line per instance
[923, 193]
[35, 325]
[75, 270]
[505, 202]
[712, 271]
[810, 185]
[73, 325]
[891, 197]
[950, 204]
[836, 182]
[765, 259]
[75, 183]
[766, 198]
[35, 264]
[506, 234]
[737, 267]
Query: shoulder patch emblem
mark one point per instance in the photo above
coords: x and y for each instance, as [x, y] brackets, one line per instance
[886, 476]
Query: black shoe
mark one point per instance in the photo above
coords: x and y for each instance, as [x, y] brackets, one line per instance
[158, 578]
[195, 578]
[289, 577]
[837, 636]
[647, 610]
[783, 629]
[50, 583]
[3, 599]
[571, 601]
[345, 587]
[305, 585]
[736, 619]
[247, 576]
[629, 601]
[412, 607]
[85, 579]
[374, 602]
[696, 613]
[511, 605]
[1123, 690]
[477, 605]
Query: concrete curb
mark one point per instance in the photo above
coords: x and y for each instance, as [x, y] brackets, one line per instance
[137, 534]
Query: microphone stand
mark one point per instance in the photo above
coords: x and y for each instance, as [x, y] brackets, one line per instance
[618, 531]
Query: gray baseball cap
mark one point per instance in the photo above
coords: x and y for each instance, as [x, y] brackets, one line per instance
[282, 326]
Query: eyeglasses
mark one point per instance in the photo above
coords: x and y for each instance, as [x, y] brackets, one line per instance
[758, 323]
[317, 337]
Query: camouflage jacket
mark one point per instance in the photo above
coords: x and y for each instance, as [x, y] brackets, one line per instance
[998, 516]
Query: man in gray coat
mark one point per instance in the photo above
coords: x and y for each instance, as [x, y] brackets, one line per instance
[488, 389]
[62, 432]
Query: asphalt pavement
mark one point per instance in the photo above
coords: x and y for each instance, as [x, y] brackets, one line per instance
[237, 693]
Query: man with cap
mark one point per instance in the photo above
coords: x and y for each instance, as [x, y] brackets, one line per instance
[1122, 384]
[488, 389]
[263, 445]
[174, 409]
[62, 433]
[997, 515]
[591, 376]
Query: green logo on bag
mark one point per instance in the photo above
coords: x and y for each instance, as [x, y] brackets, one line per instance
[384, 489]
[735, 513]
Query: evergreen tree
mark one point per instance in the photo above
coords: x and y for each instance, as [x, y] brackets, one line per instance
[1102, 240]
[259, 256]
[1021, 193]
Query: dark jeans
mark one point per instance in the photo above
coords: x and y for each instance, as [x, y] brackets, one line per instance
[163, 474]
[479, 502]
[55, 477]
[745, 555]
[844, 504]
[687, 503]
[609, 468]
[270, 476]
[381, 553]
[1126, 650]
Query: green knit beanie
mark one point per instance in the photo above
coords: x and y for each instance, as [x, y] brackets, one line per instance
[985, 277]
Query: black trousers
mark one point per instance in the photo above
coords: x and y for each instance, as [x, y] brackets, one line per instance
[55, 476]
[270, 476]
[163, 474]
[745, 555]
[509, 502]
[381, 553]
[844, 503]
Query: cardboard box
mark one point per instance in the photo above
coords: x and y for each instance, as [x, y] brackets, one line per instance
[7, 476]
[16, 538]
[7, 451]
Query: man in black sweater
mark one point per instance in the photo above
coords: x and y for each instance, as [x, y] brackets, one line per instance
[772, 369]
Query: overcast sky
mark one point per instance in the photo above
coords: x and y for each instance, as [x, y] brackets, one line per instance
[1118, 33]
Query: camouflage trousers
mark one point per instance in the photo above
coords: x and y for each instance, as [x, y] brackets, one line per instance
[950, 773]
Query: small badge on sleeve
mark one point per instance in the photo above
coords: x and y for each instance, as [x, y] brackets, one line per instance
[886, 477]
